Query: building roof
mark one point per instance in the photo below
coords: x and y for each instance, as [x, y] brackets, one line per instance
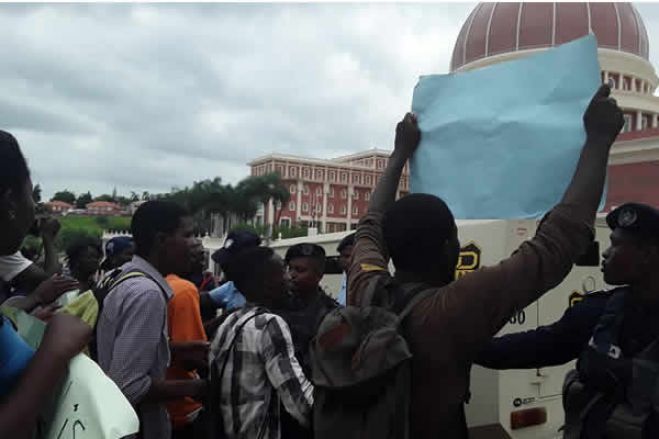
[98, 204]
[341, 162]
[496, 28]
[58, 203]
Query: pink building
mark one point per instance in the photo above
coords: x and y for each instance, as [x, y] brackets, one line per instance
[329, 194]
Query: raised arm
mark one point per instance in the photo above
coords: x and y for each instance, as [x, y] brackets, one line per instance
[489, 296]
[370, 257]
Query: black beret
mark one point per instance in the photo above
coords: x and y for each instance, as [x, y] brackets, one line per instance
[640, 219]
[305, 250]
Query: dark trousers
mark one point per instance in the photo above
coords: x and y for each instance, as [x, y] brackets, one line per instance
[196, 430]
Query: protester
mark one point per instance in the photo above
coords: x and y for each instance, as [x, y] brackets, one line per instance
[118, 251]
[609, 332]
[186, 331]
[83, 259]
[133, 347]
[447, 329]
[252, 355]
[29, 379]
[345, 252]
[227, 297]
[25, 275]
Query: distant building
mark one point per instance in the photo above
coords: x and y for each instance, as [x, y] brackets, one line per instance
[104, 208]
[59, 207]
[496, 32]
[331, 195]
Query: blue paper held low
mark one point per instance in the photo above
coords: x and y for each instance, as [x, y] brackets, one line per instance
[503, 141]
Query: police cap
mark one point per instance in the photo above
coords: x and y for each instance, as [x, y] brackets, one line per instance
[639, 219]
[305, 250]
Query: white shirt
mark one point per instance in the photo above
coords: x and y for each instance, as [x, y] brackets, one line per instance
[13, 265]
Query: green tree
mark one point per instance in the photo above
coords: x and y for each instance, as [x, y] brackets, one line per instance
[65, 196]
[83, 200]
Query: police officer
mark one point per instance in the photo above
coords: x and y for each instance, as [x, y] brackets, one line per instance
[308, 303]
[615, 388]
[307, 306]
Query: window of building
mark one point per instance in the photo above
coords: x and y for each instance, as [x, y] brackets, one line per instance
[319, 208]
[344, 210]
[331, 192]
[285, 222]
[356, 196]
[355, 210]
[367, 195]
[292, 189]
[344, 194]
[305, 207]
[332, 176]
[293, 172]
[368, 180]
[319, 175]
[344, 177]
[305, 172]
[330, 209]
[306, 190]
[319, 191]
[291, 206]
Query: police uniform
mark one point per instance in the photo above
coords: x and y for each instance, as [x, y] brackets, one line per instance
[549, 345]
[303, 318]
[614, 393]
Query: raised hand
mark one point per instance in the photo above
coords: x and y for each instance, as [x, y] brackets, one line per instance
[53, 287]
[408, 136]
[603, 119]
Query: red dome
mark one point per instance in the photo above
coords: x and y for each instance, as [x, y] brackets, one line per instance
[495, 28]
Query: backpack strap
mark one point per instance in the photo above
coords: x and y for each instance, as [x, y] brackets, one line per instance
[416, 295]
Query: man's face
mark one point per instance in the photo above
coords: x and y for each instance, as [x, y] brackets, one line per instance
[177, 247]
[276, 283]
[199, 258]
[305, 275]
[89, 262]
[624, 261]
[344, 257]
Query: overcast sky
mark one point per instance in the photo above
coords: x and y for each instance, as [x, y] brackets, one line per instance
[150, 97]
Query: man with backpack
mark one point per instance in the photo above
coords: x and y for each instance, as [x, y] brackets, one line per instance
[411, 343]
[131, 334]
[254, 371]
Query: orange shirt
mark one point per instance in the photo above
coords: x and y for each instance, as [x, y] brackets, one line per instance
[185, 324]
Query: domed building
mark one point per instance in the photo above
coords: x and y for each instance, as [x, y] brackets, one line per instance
[496, 32]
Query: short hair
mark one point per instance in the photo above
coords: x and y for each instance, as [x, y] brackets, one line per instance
[416, 229]
[155, 217]
[76, 249]
[346, 242]
[307, 250]
[250, 265]
[13, 167]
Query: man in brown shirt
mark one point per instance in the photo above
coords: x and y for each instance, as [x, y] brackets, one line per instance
[446, 330]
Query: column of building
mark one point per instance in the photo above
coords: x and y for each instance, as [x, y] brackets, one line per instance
[298, 201]
[351, 191]
[326, 191]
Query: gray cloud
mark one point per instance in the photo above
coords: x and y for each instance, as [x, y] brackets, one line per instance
[152, 96]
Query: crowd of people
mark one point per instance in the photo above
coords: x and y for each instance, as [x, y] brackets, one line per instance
[266, 353]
